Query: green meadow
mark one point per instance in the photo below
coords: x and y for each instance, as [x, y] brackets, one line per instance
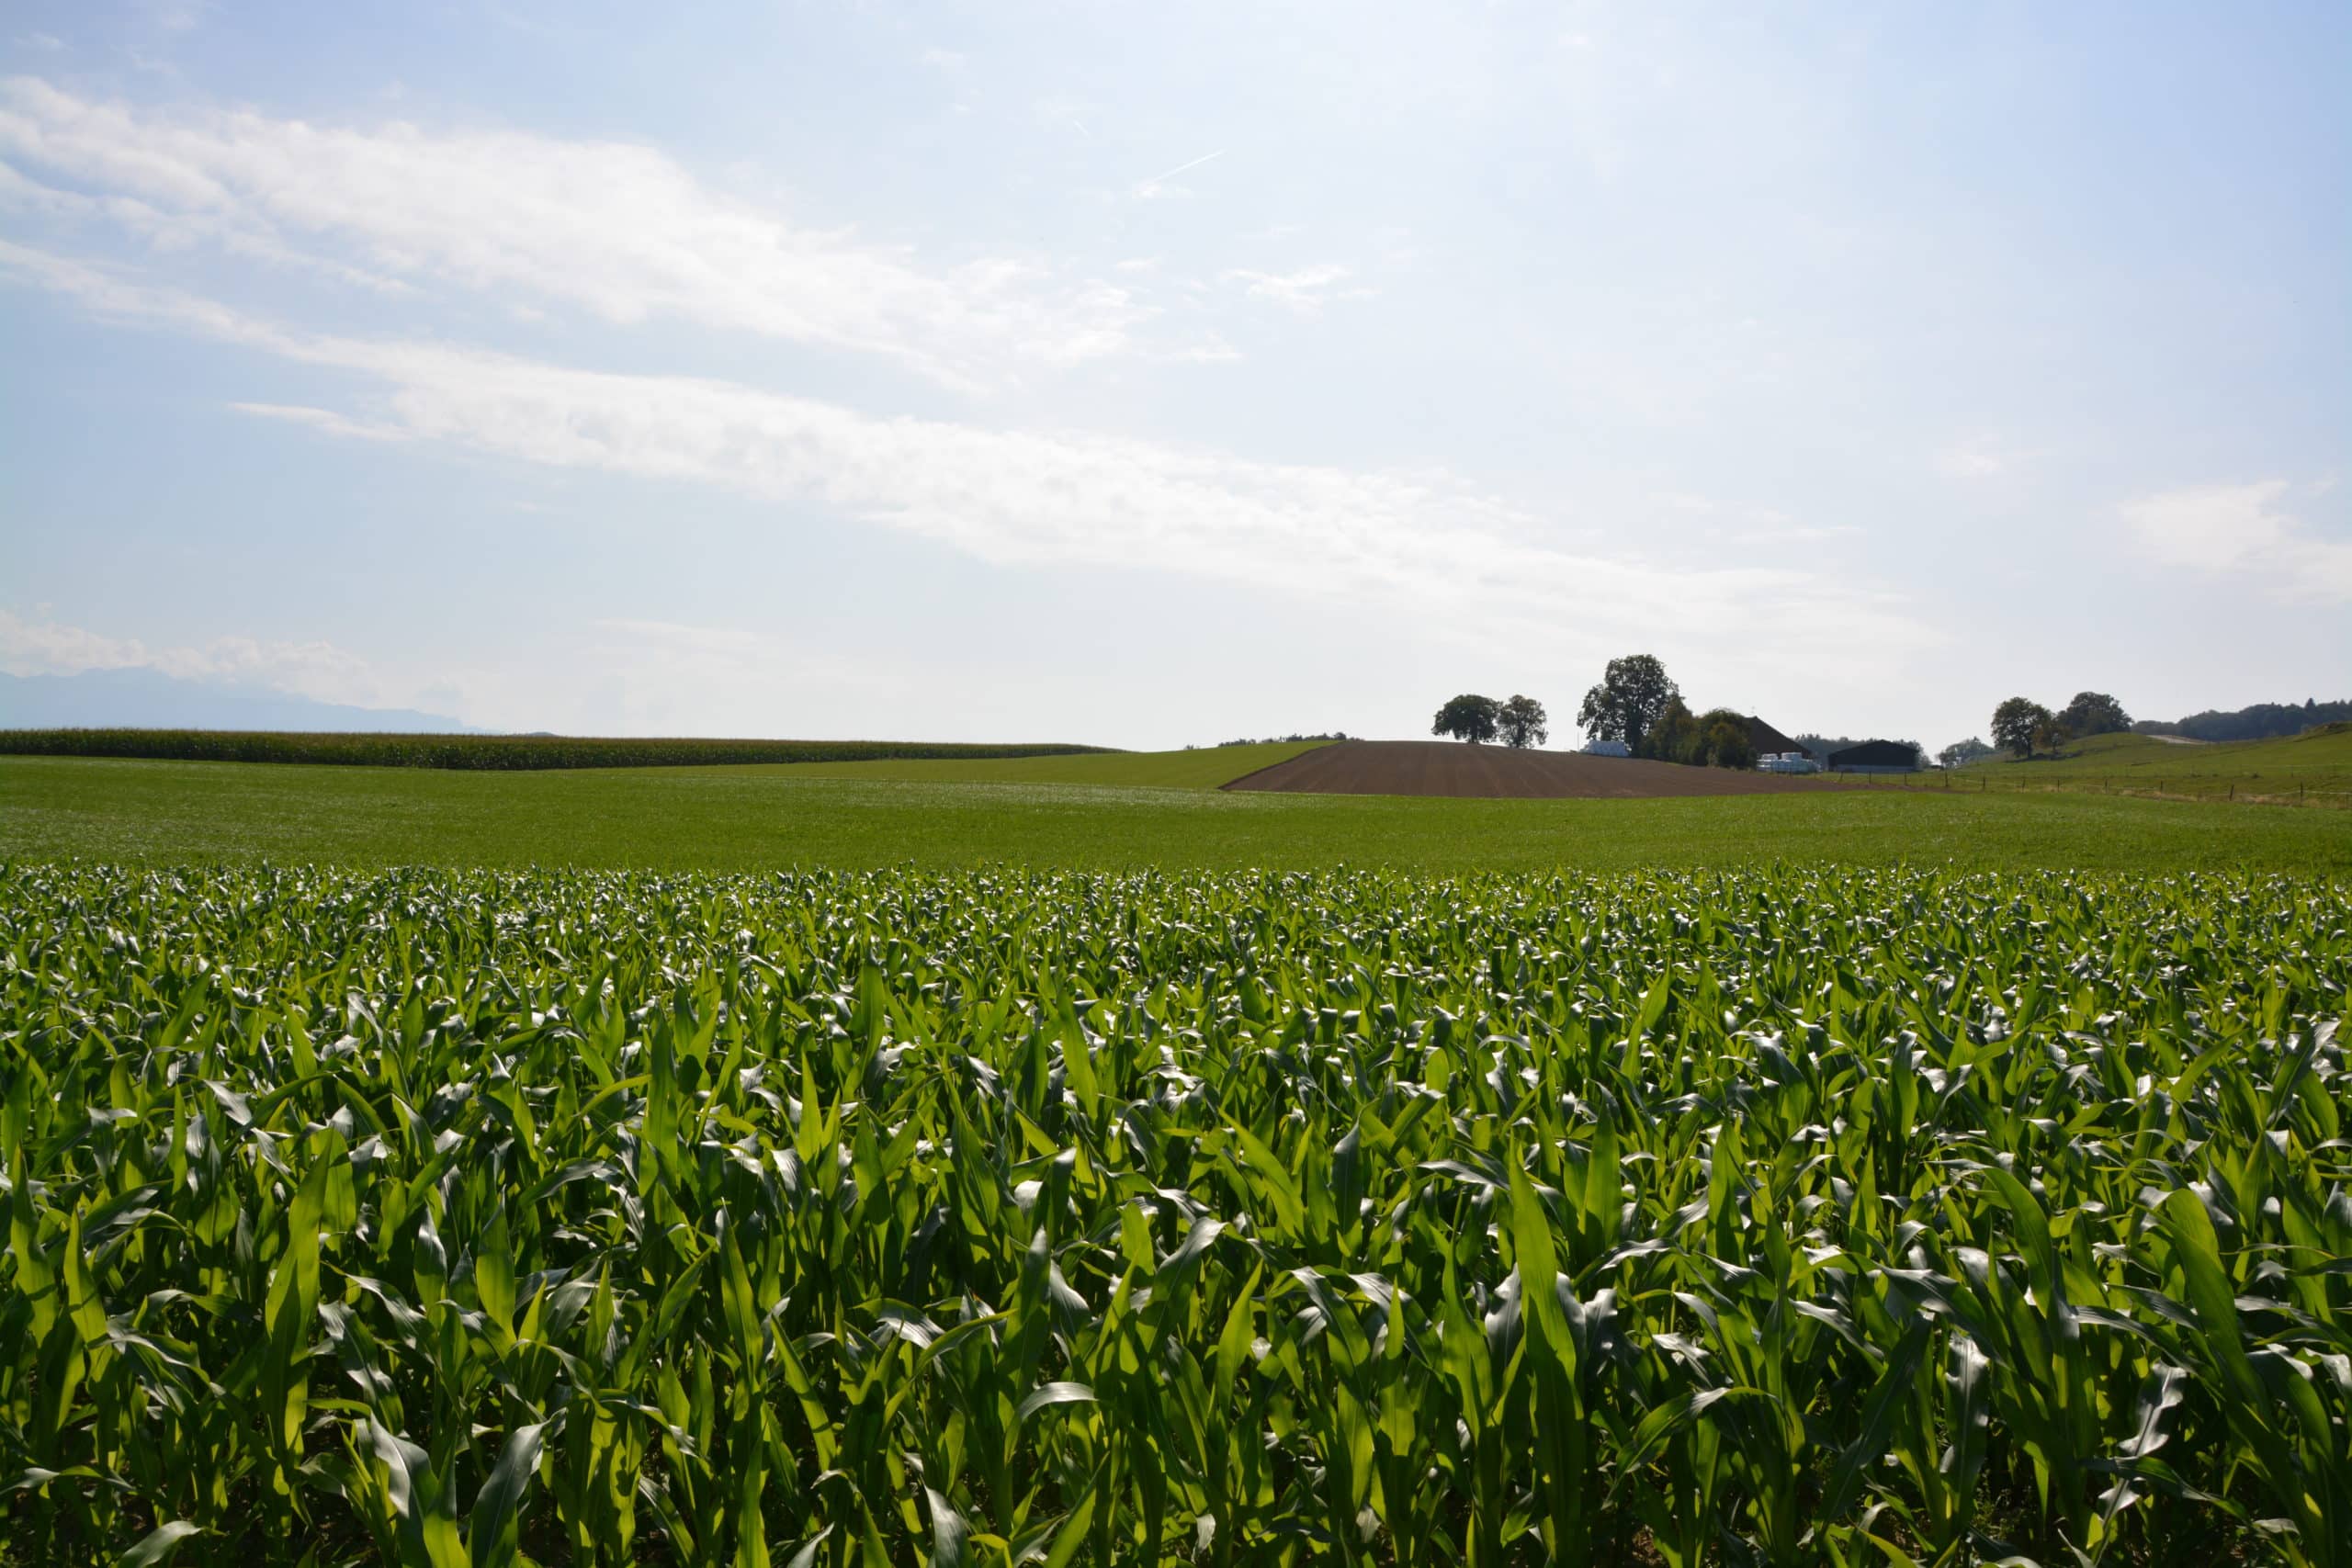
[1077, 812]
[2311, 769]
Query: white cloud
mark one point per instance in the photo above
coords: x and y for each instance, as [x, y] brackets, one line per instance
[170, 230]
[946, 60]
[1305, 290]
[317, 669]
[1420, 543]
[176, 15]
[2241, 529]
[46, 648]
[1970, 460]
[1981, 458]
[323, 420]
[618, 230]
[610, 676]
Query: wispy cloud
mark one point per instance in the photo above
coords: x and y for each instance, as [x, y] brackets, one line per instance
[1980, 457]
[2243, 530]
[1419, 543]
[618, 676]
[1970, 462]
[325, 421]
[1306, 290]
[317, 669]
[176, 15]
[614, 229]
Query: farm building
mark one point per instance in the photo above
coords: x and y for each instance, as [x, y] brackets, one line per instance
[1607, 748]
[1767, 741]
[1875, 757]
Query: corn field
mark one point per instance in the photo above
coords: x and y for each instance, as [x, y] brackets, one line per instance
[1007, 1217]
[476, 753]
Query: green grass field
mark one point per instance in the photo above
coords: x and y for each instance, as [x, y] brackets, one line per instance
[1208, 767]
[1062, 1161]
[2314, 769]
[152, 813]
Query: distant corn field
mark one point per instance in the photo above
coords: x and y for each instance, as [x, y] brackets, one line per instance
[478, 752]
[1005, 1217]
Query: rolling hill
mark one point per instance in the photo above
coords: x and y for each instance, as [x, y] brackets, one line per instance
[2314, 767]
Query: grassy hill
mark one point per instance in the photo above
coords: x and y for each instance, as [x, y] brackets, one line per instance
[2312, 769]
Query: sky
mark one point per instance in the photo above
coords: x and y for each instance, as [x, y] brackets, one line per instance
[1153, 376]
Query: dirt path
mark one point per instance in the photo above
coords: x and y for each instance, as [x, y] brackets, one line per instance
[1448, 768]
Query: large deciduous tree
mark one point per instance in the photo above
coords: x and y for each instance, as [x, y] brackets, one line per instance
[1959, 753]
[1469, 718]
[2094, 713]
[1524, 722]
[2019, 724]
[1630, 700]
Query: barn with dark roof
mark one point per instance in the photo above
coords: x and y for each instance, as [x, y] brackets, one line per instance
[1767, 741]
[1875, 757]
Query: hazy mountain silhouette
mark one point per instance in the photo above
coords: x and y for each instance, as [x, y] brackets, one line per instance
[145, 699]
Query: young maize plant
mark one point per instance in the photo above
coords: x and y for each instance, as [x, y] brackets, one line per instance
[837, 1220]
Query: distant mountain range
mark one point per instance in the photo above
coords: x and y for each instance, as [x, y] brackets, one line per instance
[148, 699]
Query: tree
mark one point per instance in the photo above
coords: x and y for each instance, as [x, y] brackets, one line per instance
[1723, 740]
[2094, 713]
[1524, 722]
[2050, 732]
[1630, 700]
[1959, 753]
[1673, 738]
[2017, 725]
[1469, 718]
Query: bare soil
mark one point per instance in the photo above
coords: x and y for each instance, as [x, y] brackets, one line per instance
[1497, 772]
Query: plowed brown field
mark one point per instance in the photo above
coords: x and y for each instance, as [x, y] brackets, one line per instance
[1449, 768]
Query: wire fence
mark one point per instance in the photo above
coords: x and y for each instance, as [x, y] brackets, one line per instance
[2330, 794]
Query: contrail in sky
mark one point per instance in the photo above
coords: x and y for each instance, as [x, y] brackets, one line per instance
[1156, 179]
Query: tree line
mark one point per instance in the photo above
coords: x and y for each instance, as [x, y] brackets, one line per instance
[2025, 728]
[2022, 727]
[1279, 740]
[1519, 722]
[2256, 721]
[1635, 703]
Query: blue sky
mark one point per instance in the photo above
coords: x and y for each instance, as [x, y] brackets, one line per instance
[1159, 375]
